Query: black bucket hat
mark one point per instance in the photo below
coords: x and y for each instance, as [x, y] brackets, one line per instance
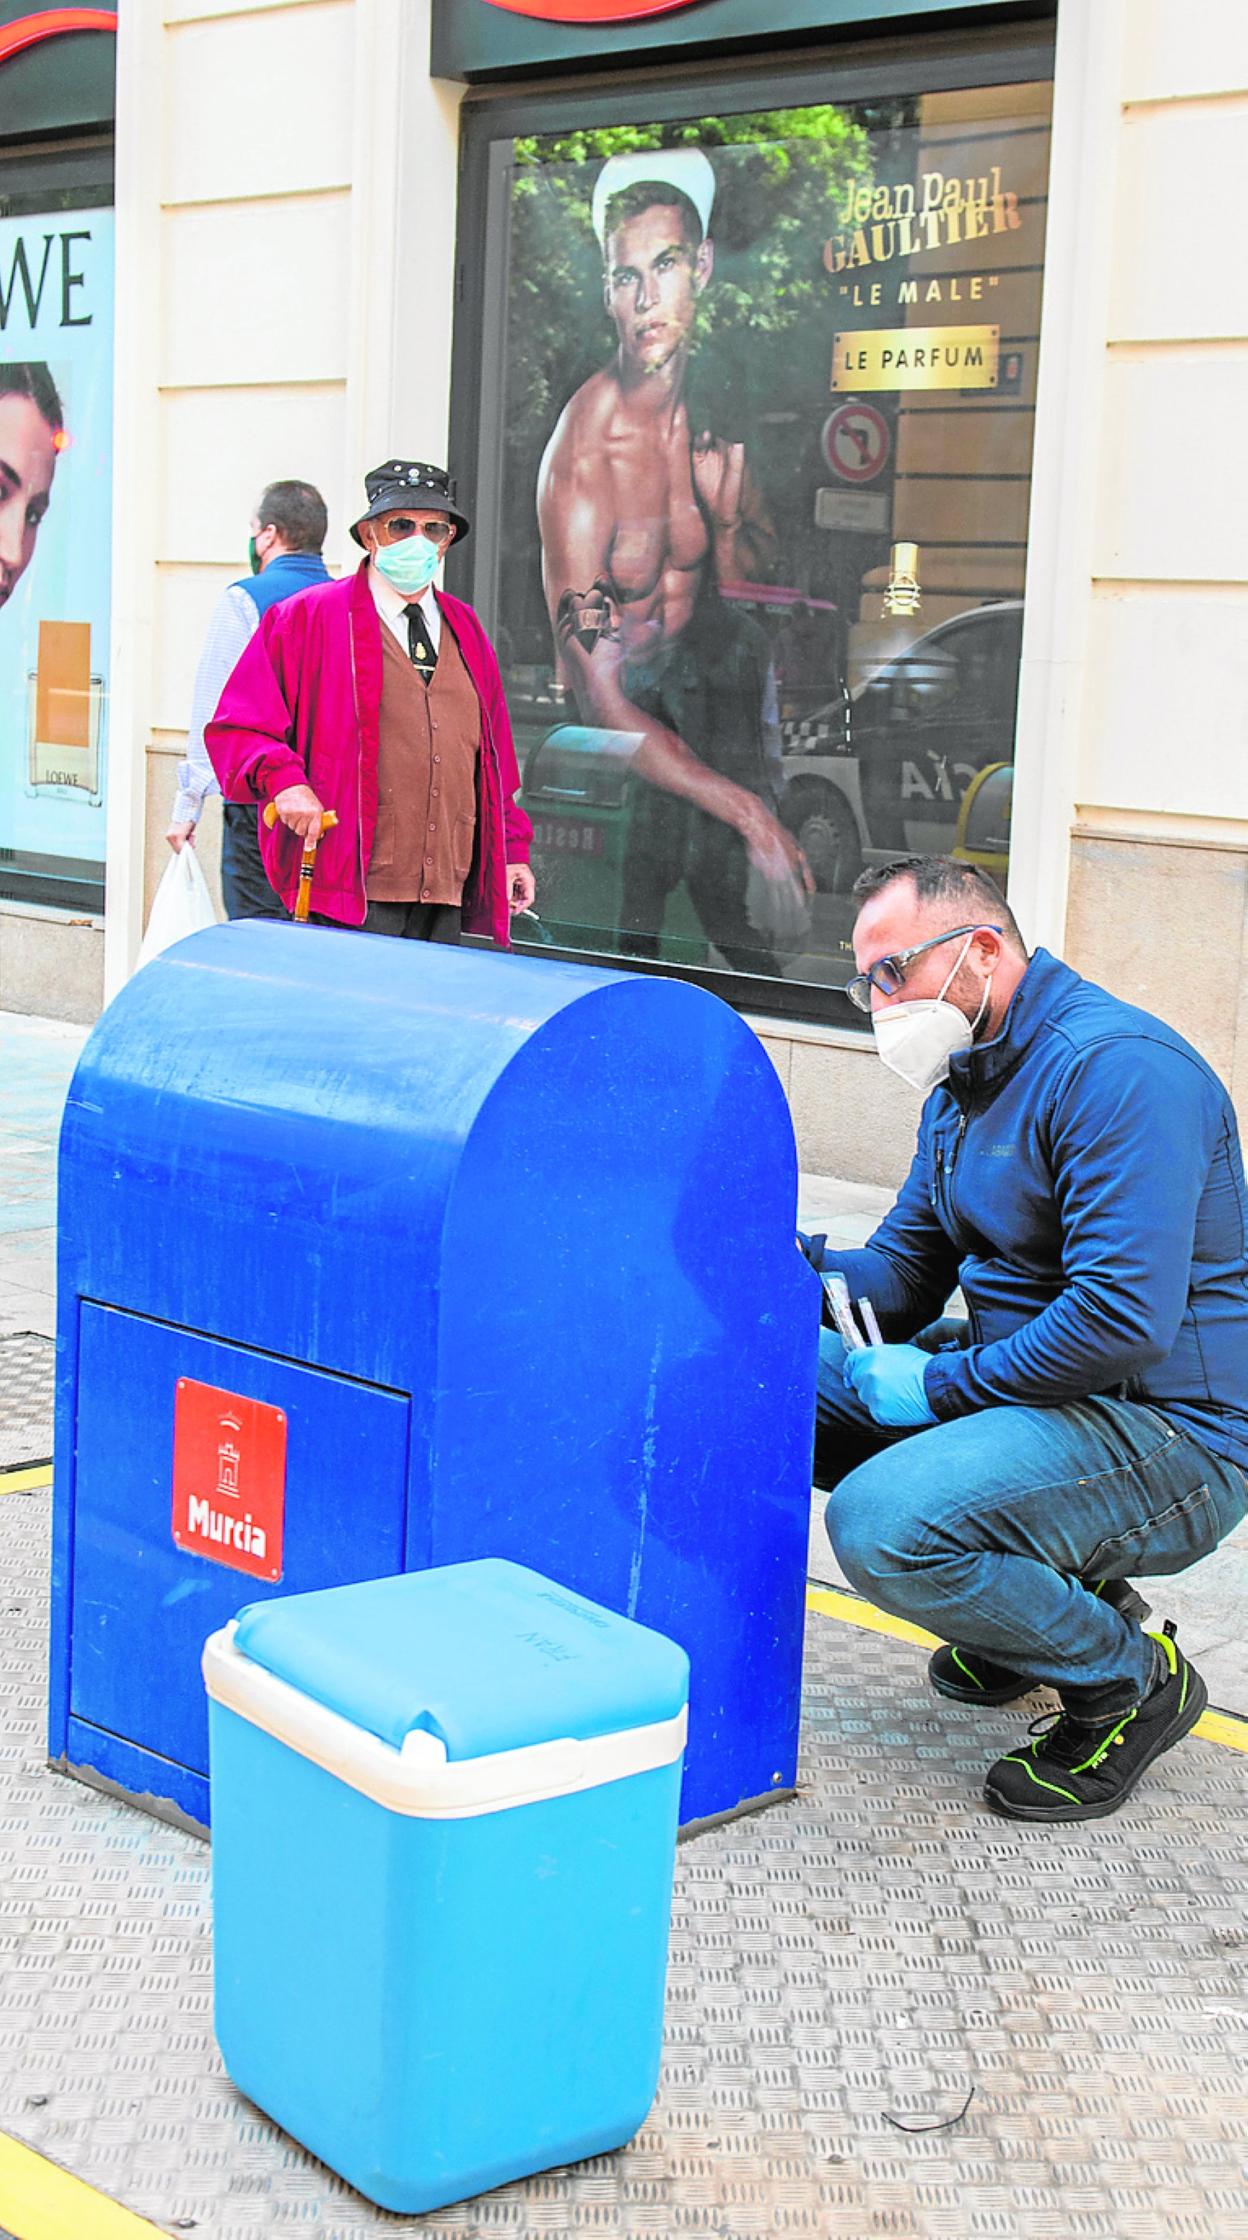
[409, 482]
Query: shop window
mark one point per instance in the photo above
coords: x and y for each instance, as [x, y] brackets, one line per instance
[56, 383]
[749, 435]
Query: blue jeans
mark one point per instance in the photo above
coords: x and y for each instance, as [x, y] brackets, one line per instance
[986, 1529]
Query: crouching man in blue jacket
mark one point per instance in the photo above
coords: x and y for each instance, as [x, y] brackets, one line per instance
[1078, 1172]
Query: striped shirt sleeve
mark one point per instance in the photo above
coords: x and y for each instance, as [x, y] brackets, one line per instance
[234, 621]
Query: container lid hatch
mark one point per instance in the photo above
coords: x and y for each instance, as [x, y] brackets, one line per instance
[485, 1656]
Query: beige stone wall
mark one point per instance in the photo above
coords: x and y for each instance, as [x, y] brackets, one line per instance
[850, 1116]
[1164, 923]
[51, 963]
[254, 245]
[1158, 904]
[275, 157]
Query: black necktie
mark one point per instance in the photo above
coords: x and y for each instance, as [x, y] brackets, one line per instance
[420, 643]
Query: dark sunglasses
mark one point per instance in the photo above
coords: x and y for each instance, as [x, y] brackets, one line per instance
[402, 525]
[888, 974]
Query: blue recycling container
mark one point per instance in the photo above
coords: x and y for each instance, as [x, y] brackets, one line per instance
[444, 1827]
[378, 1255]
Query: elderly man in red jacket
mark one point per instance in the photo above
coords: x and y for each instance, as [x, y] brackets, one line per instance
[380, 698]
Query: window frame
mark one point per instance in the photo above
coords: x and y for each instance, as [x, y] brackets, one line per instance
[490, 118]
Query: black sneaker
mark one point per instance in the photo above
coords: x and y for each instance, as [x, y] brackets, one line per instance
[1075, 1771]
[967, 1677]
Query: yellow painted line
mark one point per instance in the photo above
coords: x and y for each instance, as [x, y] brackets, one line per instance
[21, 1481]
[40, 2201]
[1219, 1726]
[1212, 1726]
[852, 1612]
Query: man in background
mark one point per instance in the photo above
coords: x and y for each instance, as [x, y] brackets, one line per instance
[285, 545]
[380, 698]
[642, 517]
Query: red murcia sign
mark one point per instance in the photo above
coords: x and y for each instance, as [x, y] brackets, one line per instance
[229, 1478]
[589, 11]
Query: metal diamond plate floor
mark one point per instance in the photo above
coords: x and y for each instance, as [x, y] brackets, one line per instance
[870, 1951]
[27, 1370]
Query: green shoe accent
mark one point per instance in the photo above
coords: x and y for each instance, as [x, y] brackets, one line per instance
[1015, 1759]
[1166, 1643]
[966, 1677]
[1088, 1769]
[1103, 1748]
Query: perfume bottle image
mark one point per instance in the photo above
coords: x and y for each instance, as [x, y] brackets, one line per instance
[66, 704]
[903, 595]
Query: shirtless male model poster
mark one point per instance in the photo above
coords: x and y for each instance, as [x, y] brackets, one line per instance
[693, 534]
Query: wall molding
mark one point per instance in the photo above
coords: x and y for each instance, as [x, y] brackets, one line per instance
[1154, 829]
[1070, 402]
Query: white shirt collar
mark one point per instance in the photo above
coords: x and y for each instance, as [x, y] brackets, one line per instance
[392, 607]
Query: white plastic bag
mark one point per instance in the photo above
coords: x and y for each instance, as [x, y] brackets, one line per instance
[181, 905]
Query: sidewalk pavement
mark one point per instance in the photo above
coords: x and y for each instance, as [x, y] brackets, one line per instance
[37, 1059]
[888, 2011]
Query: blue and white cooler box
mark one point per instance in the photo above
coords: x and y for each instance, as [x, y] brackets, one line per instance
[444, 1825]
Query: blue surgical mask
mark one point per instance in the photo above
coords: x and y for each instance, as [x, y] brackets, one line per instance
[410, 565]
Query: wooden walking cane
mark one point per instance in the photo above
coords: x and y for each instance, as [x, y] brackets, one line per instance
[307, 862]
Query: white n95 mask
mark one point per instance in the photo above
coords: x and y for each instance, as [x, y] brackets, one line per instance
[918, 1039]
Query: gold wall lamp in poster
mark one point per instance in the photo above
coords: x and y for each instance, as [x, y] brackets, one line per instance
[916, 358]
[66, 703]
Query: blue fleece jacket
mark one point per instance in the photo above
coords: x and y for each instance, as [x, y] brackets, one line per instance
[1081, 1177]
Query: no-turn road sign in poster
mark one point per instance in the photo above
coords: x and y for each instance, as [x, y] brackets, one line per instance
[856, 442]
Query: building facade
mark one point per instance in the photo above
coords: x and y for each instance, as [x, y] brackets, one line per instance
[947, 547]
[56, 410]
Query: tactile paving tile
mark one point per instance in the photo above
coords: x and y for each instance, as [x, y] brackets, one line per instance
[27, 1371]
[872, 1949]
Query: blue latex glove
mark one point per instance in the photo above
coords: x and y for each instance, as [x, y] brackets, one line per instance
[889, 1382]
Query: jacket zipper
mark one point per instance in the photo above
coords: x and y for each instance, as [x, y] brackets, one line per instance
[943, 1169]
[494, 778]
[492, 770]
[954, 1149]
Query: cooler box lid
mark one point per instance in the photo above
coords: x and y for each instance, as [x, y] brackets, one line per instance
[483, 1657]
